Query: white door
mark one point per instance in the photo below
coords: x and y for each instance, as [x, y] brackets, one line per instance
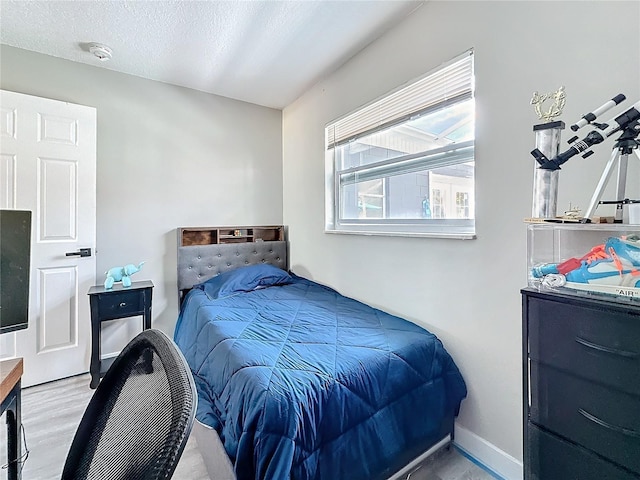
[48, 166]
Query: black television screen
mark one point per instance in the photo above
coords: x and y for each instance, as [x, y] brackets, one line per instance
[15, 264]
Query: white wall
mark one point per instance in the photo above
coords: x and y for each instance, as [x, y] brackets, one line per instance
[467, 292]
[167, 157]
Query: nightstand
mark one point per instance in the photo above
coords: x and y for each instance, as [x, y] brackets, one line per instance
[117, 302]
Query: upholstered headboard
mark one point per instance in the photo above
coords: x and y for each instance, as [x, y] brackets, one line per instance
[199, 262]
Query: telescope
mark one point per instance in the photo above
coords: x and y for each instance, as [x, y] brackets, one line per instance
[591, 116]
[626, 120]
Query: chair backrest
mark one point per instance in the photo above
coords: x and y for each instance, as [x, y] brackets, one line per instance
[140, 416]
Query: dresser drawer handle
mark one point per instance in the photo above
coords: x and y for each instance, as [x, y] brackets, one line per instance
[625, 431]
[602, 348]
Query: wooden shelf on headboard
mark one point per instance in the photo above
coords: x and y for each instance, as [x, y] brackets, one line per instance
[216, 235]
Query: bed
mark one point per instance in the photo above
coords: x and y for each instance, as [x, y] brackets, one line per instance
[300, 382]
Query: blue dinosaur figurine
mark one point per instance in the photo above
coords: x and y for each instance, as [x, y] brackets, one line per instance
[121, 274]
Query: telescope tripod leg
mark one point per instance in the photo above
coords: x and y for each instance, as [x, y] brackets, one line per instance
[604, 179]
[623, 162]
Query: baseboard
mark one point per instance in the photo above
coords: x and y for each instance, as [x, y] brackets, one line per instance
[487, 455]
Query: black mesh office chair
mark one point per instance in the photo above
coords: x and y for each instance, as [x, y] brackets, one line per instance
[140, 416]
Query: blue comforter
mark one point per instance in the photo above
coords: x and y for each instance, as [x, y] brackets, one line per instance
[301, 382]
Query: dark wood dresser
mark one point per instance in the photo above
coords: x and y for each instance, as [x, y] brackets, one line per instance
[581, 372]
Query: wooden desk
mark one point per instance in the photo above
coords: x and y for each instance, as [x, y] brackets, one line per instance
[10, 375]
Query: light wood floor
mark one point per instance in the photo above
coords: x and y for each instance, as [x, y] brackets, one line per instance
[51, 413]
[449, 465]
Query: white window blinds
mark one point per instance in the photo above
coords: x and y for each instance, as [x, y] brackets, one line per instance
[450, 83]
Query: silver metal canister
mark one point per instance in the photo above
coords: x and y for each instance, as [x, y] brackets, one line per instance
[545, 182]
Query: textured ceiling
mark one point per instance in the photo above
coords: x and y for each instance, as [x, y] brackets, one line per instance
[263, 52]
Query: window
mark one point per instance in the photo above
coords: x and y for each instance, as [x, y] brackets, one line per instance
[404, 164]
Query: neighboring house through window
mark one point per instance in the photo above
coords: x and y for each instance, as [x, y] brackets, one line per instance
[404, 164]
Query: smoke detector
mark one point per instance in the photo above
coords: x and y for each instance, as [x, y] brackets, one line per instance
[101, 51]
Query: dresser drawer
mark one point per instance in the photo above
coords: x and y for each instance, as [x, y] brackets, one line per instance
[552, 458]
[602, 419]
[120, 304]
[598, 344]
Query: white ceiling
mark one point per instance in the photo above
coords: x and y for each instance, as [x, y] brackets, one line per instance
[264, 52]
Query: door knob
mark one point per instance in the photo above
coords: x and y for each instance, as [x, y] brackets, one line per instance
[83, 252]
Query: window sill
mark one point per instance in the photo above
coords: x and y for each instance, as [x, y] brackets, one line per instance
[451, 236]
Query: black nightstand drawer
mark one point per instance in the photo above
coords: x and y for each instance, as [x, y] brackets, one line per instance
[602, 345]
[597, 417]
[119, 304]
[552, 458]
